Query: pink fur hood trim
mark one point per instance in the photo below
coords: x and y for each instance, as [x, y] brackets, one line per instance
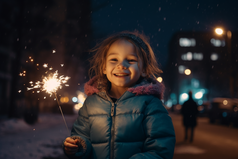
[150, 88]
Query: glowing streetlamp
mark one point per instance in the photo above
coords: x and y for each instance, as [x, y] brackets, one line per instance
[160, 79]
[187, 72]
[228, 36]
[219, 31]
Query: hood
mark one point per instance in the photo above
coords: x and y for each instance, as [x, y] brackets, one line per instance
[149, 87]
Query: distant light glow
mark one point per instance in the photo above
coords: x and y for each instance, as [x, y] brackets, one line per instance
[184, 96]
[169, 103]
[200, 108]
[217, 42]
[178, 107]
[186, 42]
[200, 102]
[77, 106]
[181, 69]
[189, 56]
[224, 114]
[75, 99]
[197, 56]
[214, 56]
[225, 102]
[53, 51]
[219, 31]
[195, 83]
[187, 72]
[160, 79]
[198, 95]
[64, 99]
[81, 97]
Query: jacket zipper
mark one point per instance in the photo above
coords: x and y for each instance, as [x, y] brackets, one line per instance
[112, 130]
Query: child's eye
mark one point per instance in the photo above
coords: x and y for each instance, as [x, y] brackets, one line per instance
[131, 60]
[113, 60]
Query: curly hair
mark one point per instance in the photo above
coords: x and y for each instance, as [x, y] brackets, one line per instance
[143, 51]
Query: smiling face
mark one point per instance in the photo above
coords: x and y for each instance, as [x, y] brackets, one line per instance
[123, 68]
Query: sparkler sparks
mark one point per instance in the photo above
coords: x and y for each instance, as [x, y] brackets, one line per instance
[50, 85]
[45, 65]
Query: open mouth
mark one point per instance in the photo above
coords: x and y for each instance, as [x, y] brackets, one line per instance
[121, 74]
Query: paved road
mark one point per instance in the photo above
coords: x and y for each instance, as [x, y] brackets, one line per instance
[210, 141]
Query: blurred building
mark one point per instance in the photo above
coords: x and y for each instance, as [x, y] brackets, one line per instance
[34, 33]
[9, 46]
[203, 62]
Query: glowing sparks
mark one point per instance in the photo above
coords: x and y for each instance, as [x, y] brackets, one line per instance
[45, 65]
[51, 83]
[22, 73]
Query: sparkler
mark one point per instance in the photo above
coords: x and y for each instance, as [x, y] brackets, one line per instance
[50, 85]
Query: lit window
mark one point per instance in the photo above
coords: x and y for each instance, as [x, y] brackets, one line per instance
[181, 69]
[184, 57]
[218, 43]
[197, 56]
[185, 42]
[214, 56]
[189, 56]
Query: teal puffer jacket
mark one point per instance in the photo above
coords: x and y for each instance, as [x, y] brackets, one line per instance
[136, 126]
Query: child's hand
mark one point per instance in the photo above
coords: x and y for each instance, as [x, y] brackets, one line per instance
[71, 146]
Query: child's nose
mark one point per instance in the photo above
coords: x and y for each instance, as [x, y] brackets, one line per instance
[122, 65]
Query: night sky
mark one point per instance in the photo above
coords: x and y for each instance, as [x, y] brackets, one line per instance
[160, 19]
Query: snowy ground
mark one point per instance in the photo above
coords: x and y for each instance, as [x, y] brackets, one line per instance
[42, 140]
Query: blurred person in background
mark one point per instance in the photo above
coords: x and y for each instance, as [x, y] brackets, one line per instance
[189, 111]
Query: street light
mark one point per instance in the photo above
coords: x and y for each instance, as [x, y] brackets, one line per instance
[228, 36]
[219, 31]
[187, 72]
[159, 79]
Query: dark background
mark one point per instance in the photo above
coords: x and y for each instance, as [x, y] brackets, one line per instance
[34, 29]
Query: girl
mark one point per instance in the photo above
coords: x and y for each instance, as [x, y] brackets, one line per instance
[123, 116]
